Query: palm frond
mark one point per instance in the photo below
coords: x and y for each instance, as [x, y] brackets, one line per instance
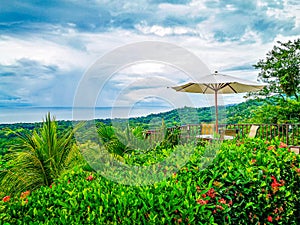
[40, 157]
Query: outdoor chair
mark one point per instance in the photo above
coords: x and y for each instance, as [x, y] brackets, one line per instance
[253, 131]
[206, 131]
[295, 149]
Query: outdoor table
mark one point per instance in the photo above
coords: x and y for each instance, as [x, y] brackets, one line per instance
[211, 137]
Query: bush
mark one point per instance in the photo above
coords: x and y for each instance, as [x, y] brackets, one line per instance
[253, 181]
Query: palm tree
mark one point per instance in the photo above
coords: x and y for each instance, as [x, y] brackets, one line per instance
[39, 157]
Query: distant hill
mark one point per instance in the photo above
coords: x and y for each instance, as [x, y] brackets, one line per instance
[233, 113]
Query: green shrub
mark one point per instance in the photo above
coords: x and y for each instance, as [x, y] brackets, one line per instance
[249, 182]
[39, 157]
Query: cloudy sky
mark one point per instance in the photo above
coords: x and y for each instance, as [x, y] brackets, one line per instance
[48, 46]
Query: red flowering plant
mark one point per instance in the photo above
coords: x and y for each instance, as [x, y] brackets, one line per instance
[231, 190]
[90, 178]
[25, 194]
[275, 185]
[6, 198]
[282, 145]
[270, 219]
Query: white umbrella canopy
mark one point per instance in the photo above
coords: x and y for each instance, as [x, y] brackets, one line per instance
[219, 83]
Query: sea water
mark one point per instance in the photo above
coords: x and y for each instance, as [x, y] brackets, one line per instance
[37, 114]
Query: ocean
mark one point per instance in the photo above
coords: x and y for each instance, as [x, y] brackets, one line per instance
[37, 114]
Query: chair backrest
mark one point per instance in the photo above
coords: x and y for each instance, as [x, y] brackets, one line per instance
[253, 131]
[207, 128]
[295, 149]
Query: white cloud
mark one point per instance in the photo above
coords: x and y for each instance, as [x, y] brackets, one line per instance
[165, 31]
[74, 45]
[170, 9]
[44, 51]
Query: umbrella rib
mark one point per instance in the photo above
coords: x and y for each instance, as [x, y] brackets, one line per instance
[205, 88]
[185, 86]
[232, 88]
[226, 84]
[219, 86]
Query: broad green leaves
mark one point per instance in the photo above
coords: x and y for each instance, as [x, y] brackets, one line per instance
[281, 69]
[235, 189]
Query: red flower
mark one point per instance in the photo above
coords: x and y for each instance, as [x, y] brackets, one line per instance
[271, 147]
[275, 184]
[270, 219]
[202, 202]
[6, 199]
[24, 194]
[282, 145]
[222, 200]
[203, 196]
[219, 207]
[90, 178]
[211, 193]
[278, 218]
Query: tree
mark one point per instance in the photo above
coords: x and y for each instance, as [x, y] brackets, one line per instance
[39, 157]
[281, 70]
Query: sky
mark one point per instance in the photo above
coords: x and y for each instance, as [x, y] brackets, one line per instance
[47, 47]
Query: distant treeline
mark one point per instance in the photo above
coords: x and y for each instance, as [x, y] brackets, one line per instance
[268, 110]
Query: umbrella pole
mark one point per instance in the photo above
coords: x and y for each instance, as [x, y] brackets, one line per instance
[216, 106]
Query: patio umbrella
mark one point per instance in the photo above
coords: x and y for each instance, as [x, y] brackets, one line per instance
[215, 83]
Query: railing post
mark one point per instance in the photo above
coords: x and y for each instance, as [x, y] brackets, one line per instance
[283, 131]
[287, 133]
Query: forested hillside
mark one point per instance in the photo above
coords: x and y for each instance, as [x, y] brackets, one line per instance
[270, 110]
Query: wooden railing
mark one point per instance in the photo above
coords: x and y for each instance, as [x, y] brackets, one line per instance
[287, 133]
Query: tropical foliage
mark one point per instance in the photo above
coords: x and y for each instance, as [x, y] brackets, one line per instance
[281, 70]
[276, 111]
[39, 157]
[249, 182]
